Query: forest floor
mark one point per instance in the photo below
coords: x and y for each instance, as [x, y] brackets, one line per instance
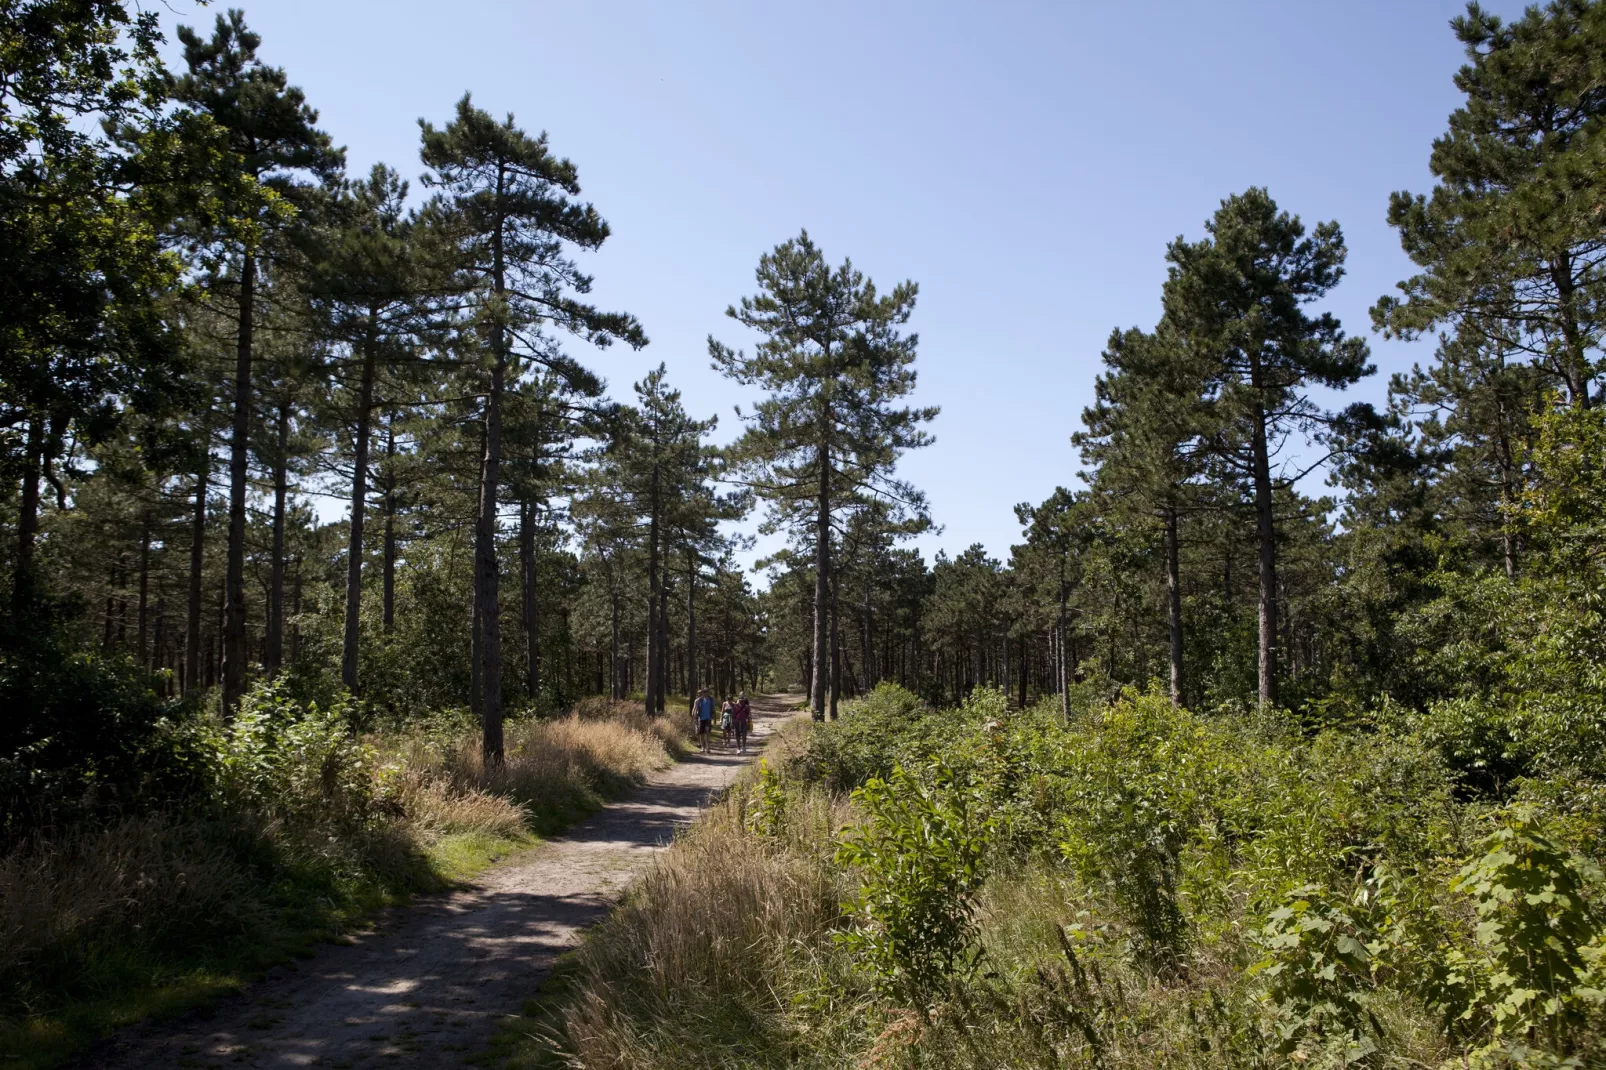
[428, 984]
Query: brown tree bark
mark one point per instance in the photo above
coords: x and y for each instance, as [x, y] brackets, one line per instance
[273, 639]
[352, 637]
[234, 652]
[192, 624]
[1173, 589]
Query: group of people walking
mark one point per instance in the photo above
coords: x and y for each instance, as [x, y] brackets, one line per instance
[735, 717]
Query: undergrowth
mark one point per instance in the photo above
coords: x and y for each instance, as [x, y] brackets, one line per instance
[301, 827]
[1143, 887]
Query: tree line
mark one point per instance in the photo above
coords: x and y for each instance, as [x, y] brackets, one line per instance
[1198, 551]
[210, 327]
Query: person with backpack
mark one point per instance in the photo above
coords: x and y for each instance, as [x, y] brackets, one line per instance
[742, 721]
[703, 709]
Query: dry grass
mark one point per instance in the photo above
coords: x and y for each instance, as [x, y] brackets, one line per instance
[159, 879]
[699, 966]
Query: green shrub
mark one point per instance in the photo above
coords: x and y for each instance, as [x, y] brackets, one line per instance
[1318, 973]
[919, 852]
[1541, 973]
[873, 734]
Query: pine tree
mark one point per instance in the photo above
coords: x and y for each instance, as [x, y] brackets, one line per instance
[1237, 298]
[505, 204]
[369, 290]
[1144, 436]
[273, 141]
[834, 363]
[1510, 241]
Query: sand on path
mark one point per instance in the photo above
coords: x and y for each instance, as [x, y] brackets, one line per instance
[427, 985]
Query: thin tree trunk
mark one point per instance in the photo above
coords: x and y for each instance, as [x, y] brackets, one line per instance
[486, 579]
[836, 648]
[192, 626]
[691, 626]
[1265, 527]
[389, 593]
[476, 701]
[239, 463]
[1173, 589]
[532, 625]
[662, 683]
[23, 580]
[822, 570]
[273, 642]
[613, 644]
[655, 653]
[140, 651]
[352, 638]
[1062, 669]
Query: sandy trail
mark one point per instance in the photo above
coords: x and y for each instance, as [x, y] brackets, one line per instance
[427, 985]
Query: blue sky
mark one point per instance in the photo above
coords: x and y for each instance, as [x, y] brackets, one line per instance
[1025, 163]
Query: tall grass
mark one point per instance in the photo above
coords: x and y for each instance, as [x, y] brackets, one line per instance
[702, 966]
[305, 828]
[1312, 917]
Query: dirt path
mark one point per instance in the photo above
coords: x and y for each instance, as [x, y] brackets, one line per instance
[427, 985]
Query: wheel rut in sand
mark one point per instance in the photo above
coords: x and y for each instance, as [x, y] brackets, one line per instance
[428, 983]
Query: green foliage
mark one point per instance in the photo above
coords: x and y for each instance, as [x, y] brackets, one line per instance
[920, 853]
[299, 766]
[768, 815]
[1318, 970]
[85, 733]
[1542, 943]
[874, 733]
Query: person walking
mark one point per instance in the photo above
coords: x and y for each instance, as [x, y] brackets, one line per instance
[704, 709]
[725, 721]
[742, 720]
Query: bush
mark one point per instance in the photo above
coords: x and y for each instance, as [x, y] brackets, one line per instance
[919, 852]
[84, 734]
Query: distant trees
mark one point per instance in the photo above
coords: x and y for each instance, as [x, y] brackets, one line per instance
[833, 363]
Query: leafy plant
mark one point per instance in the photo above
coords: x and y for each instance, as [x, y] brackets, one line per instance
[1318, 972]
[1542, 944]
[920, 853]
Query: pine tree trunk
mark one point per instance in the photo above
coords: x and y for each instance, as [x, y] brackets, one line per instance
[389, 592]
[1266, 531]
[23, 580]
[691, 628]
[476, 699]
[615, 691]
[192, 624]
[1062, 669]
[141, 653]
[655, 652]
[1173, 590]
[239, 473]
[486, 596]
[359, 507]
[662, 684]
[1021, 651]
[273, 642]
[822, 570]
[836, 649]
[487, 600]
[532, 625]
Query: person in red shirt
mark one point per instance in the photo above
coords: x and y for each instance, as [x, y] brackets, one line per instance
[742, 721]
